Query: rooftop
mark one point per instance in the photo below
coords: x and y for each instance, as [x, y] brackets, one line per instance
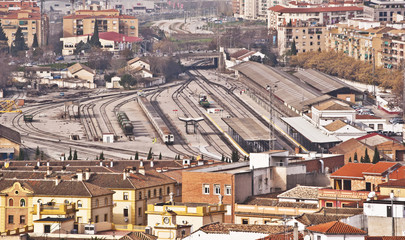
[247, 128]
[301, 192]
[333, 105]
[226, 228]
[336, 125]
[229, 168]
[281, 9]
[10, 134]
[336, 228]
[351, 170]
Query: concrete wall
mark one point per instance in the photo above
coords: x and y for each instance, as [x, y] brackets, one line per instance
[382, 226]
[308, 179]
[243, 181]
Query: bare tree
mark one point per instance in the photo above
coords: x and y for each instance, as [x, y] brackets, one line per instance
[6, 69]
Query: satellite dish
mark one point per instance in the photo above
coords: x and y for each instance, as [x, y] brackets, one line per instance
[371, 195]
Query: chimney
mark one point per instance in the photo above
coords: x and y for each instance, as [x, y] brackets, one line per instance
[112, 163]
[87, 174]
[158, 170]
[295, 231]
[142, 170]
[164, 169]
[101, 163]
[125, 174]
[38, 163]
[151, 163]
[200, 162]
[57, 180]
[47, 163]
[48, 170]
[79, 174]
[141, 163]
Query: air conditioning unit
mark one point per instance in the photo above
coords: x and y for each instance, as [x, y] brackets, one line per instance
[126, 219]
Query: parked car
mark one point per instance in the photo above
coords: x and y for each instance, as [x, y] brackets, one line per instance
[60, 58]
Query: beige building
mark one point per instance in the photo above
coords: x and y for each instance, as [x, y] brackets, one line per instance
[10, 141]
[82, 23]
[29, 21]
[82, 72]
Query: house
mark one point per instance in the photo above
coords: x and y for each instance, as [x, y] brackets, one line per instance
[302, 194]
[138, 63]
[82, 72]
[229, 231]
[352, 147]
[329, 111]
[115, 83]
[10, 142]
[336, 230]
[344, 131]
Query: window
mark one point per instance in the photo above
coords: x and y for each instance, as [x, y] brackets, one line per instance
[368, 186]
[125, 197]
[106, 201]
[47, 228]
[22, 219]
[22, 202]
[267, 221]
[245, 221]
[160, 191]
[154, 192]
[125, 212]
[10, 219]
[389, 211]
[206, 189]
[148, 193]
[227, 189]
[96, 219]
[371, 126]
[329, 204]
[139, 212]
[97, 202]
[380, 126]
[10, 202]
[106, 217]
[168, 190]
[318, 238]
[217, 189]
[79, 204]
[140, 195]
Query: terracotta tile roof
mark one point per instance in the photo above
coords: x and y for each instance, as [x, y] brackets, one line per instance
[283, 236]
[351, 171]
[10, 134]
[99, 17]
[400, 183]
[282, 9]
[309, 219]
[373, 139]
[225, 228]
[150, 179]
[336, 228]
[384, 238]
[78, 66]
[398, 174]
[301, 192]
[118, 37]
[332, 105]
[260, 201]
[346, 146]
[138, 236]
[381, 168]
[340, 211]
[239, 53]
[336, 125]
[366, 117]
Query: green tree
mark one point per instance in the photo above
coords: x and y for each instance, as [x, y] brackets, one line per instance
[35, 41]
[136, 155]
[293, 50]
[3, 41]
[70, 154]
[361, 159]
[21, 154]
[18, 44]
[128, 81]
[37, 153]
[160, 156]
[355, 158]
[95, 40]
[75, 155]
[101, 156]
[150, 155]
[376, 157]
[366, 157]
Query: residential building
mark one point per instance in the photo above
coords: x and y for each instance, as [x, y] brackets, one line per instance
[10, 142]
[321, 15]
[392, 48]
[82, 23]
[383, 11]
[29, 20]
[17, 5]
[235, 231]
[329, 111]
[110, 41]
[191, 215]
[336, 230]
[82, 72]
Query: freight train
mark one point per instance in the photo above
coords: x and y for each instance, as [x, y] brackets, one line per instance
[125, 124]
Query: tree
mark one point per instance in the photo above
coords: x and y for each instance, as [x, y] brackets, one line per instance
[128, 81]
[82, 47]
[361, 159]
[293, 48]
[75, 155]
[19, 43]
[350, 159]
[35, 41]
[136, 155]
[70, 154]
[376, 157]
[160, 156]
[366, 157]
[37, 152]
[235, 156]
[21, 154]
[150, 154]
[3, 41]
[355, 158]
[101, 156]
[95, 40]
[99, 59]
[42, 155]
[256, 59]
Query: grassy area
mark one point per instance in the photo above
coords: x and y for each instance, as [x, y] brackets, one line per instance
[202, 40]
[59, 65]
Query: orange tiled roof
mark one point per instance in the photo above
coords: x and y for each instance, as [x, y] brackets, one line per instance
[398, 174]
[336, 228]
[380, 168]
[384, 238]
[351, 170]
[396, 183]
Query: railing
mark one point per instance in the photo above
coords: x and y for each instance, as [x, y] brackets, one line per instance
[129, 227]
[342, 194]
[17, 231]
[291, 211]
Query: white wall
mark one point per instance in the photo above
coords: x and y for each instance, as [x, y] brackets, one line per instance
[200, 235]
[380, 209]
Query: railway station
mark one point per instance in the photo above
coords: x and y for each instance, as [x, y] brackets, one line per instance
[252, 137]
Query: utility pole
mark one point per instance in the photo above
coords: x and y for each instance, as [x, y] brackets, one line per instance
[271, 117]
[42, 24]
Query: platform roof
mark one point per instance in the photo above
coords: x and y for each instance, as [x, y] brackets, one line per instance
[321, 81]
[289, 89]
[309, 131]
[248, 129]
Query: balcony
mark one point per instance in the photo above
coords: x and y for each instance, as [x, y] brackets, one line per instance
[55, 209]
[333, 194]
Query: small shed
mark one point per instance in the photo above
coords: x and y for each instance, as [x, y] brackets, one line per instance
[108, 137]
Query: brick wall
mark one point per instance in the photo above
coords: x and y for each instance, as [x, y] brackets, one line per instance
[332, 163]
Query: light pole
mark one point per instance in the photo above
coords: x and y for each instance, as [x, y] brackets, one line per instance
[271, 117]
[392, 212]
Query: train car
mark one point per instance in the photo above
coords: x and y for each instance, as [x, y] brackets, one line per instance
[28, 118]
[125, 123]
[203, 101]
[157, 122]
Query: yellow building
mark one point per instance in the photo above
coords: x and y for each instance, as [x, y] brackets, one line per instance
[10, 141]
[82, 23]
[29, 20]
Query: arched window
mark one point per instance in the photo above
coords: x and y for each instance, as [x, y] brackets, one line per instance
[140, 195]
[148, 193]
[154, 192]
[10, 202]
[79, 204]
[168, 191]
[106, 201]
[22, 202]
[160, 191]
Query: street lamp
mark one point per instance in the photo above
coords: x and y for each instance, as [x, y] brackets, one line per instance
[392, 212]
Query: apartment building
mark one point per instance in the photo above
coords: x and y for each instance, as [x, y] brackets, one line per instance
[29, 20]
[319, 15]
[82, 23]
[392, 49]
[16, 4]
[383, 10]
